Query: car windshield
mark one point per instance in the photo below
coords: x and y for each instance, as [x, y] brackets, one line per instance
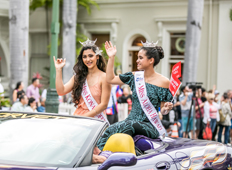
[45, 142]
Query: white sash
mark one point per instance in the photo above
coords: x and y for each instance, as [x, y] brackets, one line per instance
[146, 105]
[90, 102]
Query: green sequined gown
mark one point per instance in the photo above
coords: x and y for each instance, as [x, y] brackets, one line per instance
[137, 122]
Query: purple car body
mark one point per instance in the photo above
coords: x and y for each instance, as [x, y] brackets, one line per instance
[171, 153]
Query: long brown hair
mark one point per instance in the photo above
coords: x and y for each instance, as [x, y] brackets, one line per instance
[81, 72]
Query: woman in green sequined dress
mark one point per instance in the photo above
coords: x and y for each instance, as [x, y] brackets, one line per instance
[158, 93]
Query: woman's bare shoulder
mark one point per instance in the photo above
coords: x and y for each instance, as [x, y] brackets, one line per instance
[164, 81]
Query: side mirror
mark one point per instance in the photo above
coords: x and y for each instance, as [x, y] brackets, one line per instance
[119, 159]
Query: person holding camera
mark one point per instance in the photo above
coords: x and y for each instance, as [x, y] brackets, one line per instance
[185, 100]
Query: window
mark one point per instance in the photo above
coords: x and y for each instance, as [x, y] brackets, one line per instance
[137, 41]
[177, 50]
[177, 46]
[101, 39]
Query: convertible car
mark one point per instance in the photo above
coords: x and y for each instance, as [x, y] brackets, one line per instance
[32, 141]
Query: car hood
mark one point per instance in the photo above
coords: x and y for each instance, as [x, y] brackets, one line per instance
[186, 143]
[12, 167]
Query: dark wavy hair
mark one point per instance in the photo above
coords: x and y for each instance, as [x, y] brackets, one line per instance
[156, 52]
[81, 72]
[18, 84]
[31, 100]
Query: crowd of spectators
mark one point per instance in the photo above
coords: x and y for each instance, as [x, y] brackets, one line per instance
[191, 120]
[208, 109]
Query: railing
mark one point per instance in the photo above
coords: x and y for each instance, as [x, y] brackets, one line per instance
[66, 109]
[122, 111]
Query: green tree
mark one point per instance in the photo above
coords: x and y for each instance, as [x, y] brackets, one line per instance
[34, 4]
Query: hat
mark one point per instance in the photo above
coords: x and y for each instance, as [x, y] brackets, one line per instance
[216, 92]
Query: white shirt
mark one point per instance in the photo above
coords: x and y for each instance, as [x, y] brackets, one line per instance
[1, 90]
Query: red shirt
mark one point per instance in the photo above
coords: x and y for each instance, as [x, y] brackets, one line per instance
[197, 115]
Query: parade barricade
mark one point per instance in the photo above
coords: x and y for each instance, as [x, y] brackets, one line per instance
[66, 109]
[122, 111]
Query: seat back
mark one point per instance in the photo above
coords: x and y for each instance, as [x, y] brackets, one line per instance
[144, 144]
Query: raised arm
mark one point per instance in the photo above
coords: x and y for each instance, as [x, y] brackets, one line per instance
[14, 95]
[110, 76]
[60, 87]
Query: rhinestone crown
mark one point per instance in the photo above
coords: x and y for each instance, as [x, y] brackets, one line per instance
[149, 44]
[88, 43]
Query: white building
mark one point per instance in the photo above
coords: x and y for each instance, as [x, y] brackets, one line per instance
[126, 22]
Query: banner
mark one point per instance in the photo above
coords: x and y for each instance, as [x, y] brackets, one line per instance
[175, 82]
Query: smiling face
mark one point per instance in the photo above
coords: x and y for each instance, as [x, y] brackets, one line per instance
[142, 61]
[89, 58]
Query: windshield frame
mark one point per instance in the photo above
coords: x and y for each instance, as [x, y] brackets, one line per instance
[91, 139]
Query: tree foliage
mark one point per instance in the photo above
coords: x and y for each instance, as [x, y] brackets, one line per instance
[34, 4]
[42, 3]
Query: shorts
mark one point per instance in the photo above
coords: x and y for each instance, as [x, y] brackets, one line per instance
[184, 123]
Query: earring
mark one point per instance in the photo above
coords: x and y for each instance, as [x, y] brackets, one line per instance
[97, 62]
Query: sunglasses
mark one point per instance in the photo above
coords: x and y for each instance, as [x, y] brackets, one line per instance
[211, 99]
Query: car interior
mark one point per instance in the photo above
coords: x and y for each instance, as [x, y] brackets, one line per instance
[143, 146]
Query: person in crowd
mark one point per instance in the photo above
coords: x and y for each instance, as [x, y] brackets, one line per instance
[126, 98]
[125, 95]
[199, 112]
[89, 70]
[19, 94]
[21, 105]
[226, 111]
[33, 90]
[177, 109]
[185, 100]
[112, 109]
[216, 127]
[203, 95]
[229, 94]
[137, 123]
[41, 108]
[31, 105]
[216, 99]
[211, 114]
[19, 87]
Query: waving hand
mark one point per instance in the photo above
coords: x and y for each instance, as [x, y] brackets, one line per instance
[110, 49]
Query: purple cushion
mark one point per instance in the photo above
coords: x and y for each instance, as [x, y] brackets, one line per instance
[144, 144]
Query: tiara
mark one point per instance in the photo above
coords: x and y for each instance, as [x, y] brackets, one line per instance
[149, 44]
[98, 51]
[88, 43]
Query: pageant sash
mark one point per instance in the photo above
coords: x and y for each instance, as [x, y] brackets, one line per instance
[90, 101]
[146, 104]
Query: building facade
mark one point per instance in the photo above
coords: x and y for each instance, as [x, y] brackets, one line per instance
[126, 23]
